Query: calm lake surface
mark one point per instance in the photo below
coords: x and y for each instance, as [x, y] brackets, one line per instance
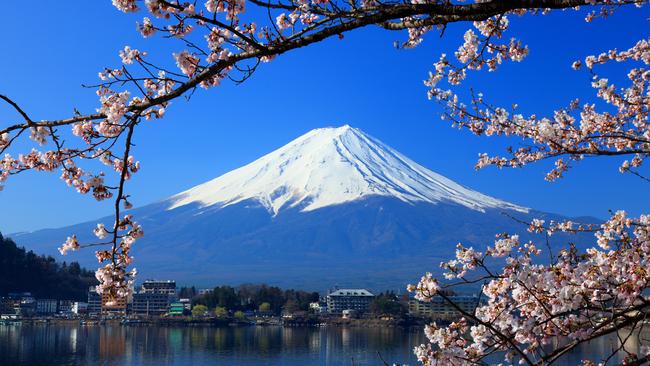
[55, 345]
[239, 346]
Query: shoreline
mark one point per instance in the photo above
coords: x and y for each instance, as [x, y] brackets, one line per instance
[216, 322]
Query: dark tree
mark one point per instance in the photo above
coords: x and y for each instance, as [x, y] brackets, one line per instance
[25, 271]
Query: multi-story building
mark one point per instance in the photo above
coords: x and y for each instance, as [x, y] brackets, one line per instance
[112, 305]
[46, 306]
[94, 302]
[79, 308]
[154, 297]
[65, 306]
[151, 303]
[349, 299]
[24, 303]
[159, 287]
[105, 304]
[438, 308]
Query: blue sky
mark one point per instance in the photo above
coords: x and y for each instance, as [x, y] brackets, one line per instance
[361, 80]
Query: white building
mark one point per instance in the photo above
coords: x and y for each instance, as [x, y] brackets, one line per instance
[159, 287]
[349, 299]
[438, 308]
[80, 307]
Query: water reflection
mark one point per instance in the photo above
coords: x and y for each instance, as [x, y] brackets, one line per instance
[112, 343]
[116, 345]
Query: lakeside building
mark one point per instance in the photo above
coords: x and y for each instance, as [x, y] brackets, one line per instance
[154, 297]
[151, 303]
[438, 308]
[158, 287]
[102, 304]
[46, 306]
[176, 308]
[349, 299]
[119, 306]
[318, 307]
[80, 308]
[65, 307]
[94, 302]
[11, 305]
[24, 304]
[114, 306]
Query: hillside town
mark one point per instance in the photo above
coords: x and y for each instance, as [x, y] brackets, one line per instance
[162, 300]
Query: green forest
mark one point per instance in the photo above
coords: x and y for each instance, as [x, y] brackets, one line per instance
[44, 277]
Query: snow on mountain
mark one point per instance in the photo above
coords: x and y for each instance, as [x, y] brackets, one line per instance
[334, 206]
[330, 166]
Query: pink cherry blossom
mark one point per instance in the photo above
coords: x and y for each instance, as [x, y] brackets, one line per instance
[39, 134]
[70, 244]
[147, 28]
[129, 54]
[186, 62]
[126, 6]
[100, 231]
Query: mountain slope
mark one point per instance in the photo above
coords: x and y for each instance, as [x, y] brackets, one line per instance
[334, 206]
[330, 166]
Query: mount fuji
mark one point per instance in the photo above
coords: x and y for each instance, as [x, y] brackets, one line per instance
[332, 207]
[332, 166]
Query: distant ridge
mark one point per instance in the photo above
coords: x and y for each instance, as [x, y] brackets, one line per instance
[332, 207]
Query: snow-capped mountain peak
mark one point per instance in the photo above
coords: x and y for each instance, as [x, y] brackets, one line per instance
[330, 166]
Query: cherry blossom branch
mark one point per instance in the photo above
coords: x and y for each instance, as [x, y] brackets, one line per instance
[442, 13]
[589, 134]
[17, 108]
[580, 297]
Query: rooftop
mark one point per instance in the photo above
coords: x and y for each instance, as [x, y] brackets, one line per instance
[351, 292]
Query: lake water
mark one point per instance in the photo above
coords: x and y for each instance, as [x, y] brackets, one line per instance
[55, 345]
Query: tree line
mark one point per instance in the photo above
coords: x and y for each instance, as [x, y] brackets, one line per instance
[250, 297]
[264, 298]
[25, 271]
